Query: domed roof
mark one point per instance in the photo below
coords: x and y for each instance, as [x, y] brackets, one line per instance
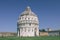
[28, 12]
[27, 17]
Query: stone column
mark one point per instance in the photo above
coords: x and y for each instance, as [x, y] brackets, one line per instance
[18, 32]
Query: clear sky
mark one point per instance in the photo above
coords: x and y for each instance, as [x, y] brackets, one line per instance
[48, 12]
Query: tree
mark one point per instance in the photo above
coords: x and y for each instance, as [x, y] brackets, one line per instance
[43, 30]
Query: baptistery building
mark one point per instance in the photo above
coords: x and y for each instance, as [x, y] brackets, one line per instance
[28, 24]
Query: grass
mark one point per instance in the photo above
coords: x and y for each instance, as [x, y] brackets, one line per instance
[31, 38]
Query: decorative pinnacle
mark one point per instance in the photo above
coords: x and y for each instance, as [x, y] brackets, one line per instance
[28, 8]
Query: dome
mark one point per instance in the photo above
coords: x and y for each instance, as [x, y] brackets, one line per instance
[28, 12]
[27, 17]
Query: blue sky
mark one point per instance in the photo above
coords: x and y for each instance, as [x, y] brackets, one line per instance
[48, 12]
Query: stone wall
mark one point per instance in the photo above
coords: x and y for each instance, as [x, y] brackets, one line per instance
[43, 33]
[3, 34]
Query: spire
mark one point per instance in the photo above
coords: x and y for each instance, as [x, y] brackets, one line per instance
[28, 8]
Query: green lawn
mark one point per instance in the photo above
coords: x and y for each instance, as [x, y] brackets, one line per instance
[31, 38]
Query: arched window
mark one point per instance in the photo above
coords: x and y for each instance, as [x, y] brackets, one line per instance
[28, 18]
[29, 29]
[25, 29]
[21, 29]
[29, 24]
[32, 29]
